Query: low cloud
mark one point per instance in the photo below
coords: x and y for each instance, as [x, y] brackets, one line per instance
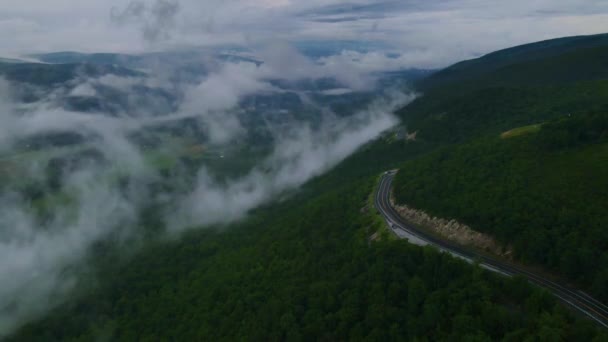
[45, 235]
[156, 20]
[444, 31]
[39, 263]
[49, 228]
[300, 154]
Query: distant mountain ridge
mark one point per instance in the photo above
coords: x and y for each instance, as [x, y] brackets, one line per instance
[529, 53]
[510, 88]
[47, 74]
[139, 60]
[69, 57]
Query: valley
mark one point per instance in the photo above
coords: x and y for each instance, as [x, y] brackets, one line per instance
[303, 171]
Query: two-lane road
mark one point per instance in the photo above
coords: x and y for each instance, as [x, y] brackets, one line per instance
[578, 300]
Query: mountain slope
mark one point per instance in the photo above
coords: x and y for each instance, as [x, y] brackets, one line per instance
[524, 155]
[305, 270]
[494, 93]
[534, 54]
[320, 266]
[543, 193]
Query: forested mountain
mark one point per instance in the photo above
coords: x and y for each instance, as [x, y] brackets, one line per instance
[320, 264]
[550, 55]
[306, 270]
[494, 93]
[524, 155]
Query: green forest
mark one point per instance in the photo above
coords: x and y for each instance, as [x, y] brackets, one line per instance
[541, 190]
[544, 193]
[305, 270]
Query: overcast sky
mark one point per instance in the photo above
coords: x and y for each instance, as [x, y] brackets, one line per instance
[432, 33]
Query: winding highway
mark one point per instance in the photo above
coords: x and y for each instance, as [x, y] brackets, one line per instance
[576, 299]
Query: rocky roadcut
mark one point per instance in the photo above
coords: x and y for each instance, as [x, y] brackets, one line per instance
[453, 231]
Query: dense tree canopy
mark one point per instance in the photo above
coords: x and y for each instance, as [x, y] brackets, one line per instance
[305, 268]
[306, 272]
[544, 193]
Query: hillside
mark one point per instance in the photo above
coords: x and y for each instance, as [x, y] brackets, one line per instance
[511, 88]
[524, 154]
[543, 193]
[550, 55]
[305, 270]
[523, 161]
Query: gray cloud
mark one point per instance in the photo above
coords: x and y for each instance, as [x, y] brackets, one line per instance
[42, 259]
[38, 265]
[156, 20]
[134, 9]
[300, 154]
[445, 31]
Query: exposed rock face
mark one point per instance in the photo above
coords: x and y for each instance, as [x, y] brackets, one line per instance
[453, 230]
[374, 237]
[412, 136]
